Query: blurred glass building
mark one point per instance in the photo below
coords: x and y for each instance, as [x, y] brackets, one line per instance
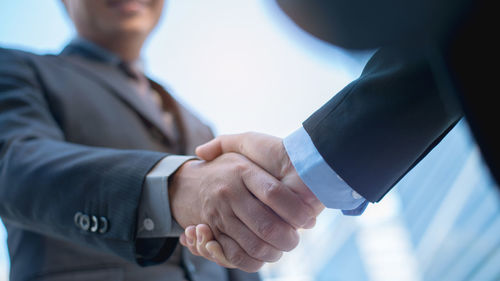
[441, 222]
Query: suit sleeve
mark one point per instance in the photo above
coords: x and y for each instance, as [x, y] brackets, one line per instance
[382, 124]
[45, 181]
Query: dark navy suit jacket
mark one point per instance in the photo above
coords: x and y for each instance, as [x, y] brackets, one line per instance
[431, 66]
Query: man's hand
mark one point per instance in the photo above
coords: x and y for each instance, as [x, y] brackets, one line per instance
[226, 194]
[269, 153]
[199, 240]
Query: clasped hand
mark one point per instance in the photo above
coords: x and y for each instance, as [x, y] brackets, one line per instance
[242, 204]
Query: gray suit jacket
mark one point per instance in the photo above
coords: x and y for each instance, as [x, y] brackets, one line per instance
[75, 137]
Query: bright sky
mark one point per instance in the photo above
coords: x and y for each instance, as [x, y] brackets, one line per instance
[240, 65]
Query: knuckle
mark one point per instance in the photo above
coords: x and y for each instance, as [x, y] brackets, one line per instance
[261, 251]
[240, 166]
[292, 241]
[215, 222]
[266, 230]
[209, 215]
[217, 225]
[256, 249]
[273, 190]
[238, 258]
[254, 267]
[300, 216]
[210, 212]
[225, 191]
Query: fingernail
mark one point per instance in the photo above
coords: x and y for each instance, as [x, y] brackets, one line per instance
[209, 250]
[189, 240]
[310, 223]
[199, 236]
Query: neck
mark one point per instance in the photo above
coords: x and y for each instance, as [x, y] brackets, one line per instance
[128, 48]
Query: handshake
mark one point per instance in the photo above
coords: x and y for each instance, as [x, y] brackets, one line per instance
[242, 204]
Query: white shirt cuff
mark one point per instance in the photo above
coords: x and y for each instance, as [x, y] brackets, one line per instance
[155, 218]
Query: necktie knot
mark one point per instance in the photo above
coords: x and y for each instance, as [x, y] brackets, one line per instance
[137, 77]
[132, 70]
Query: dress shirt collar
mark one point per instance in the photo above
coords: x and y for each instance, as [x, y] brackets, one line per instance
[101, 54]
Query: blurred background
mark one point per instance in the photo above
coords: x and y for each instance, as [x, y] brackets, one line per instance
[243, 66]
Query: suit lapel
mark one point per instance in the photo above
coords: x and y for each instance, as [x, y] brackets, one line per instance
[111, 78]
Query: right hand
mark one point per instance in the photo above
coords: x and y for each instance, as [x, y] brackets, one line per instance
[223, 195]
[269, 153]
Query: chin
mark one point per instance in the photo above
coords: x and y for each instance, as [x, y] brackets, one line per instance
[134, 27]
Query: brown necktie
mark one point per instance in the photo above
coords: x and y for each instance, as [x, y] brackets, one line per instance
[151, 98]
[136, 77]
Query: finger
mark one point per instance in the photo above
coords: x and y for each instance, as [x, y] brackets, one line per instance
[295, 183]
[263, 222]
[265, 150]
[190, 233]
[203, 235]
[266, 224]
[236, 256]
[209, 248]
[279, 197]
[310, 224]
[247, 240]
[182, 240]
[205, 231]
[215, 250]
[210, 150]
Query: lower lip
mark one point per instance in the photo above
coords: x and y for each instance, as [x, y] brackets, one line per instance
[128, 7]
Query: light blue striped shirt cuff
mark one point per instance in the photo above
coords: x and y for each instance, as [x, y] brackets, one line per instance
[323, 181]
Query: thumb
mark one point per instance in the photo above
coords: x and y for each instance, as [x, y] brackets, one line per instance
[210, 150]
[220, 145]
[214, 248]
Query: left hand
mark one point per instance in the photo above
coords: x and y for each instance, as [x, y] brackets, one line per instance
[200, 241]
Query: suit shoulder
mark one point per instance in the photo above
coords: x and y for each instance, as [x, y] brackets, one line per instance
[14, 54]
[20, 66]
[19, 56]
[15, 62]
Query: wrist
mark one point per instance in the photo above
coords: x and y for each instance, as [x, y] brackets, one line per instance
[179, 193]
[287, 167]
[291, 177]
